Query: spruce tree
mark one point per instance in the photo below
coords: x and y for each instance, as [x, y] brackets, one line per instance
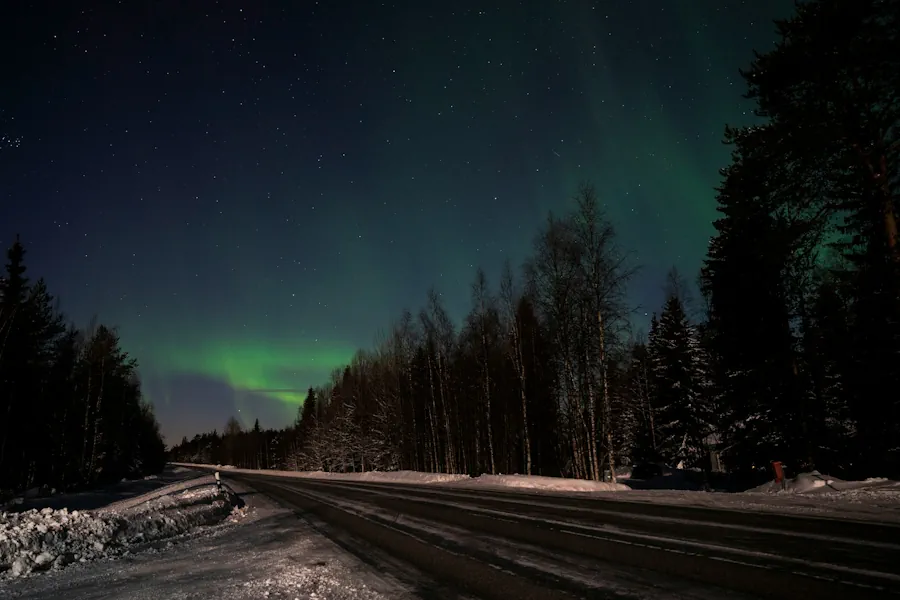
[750, 326]
[826, 346]
[71, 411]
[830, 92]
[679, 381]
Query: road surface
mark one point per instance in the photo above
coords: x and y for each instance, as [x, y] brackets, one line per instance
[521, 545]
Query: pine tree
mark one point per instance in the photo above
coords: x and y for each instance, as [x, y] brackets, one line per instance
[308, 412]
[830, 92]
[72, 403]
[15, 352]
[826, 343]
[680, 388]
[639, 384]
[750, 327]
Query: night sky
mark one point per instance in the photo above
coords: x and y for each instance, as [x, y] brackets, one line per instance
[251, 191]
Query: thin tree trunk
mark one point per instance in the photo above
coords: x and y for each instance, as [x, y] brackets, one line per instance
[593, 440]
[87, 419]
[98, 418]
[433, 416]
[519, 362]
[412, 408]
[607, 408]
[487, 394]
[449, 450]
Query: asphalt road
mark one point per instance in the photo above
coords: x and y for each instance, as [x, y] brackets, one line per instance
[510, 544]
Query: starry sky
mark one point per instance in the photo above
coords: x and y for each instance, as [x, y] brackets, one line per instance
[250, 191]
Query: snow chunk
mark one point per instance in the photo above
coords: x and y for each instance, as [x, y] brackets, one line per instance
[41, 539]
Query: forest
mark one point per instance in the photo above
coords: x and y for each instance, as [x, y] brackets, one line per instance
[71, 410]
[789, 352]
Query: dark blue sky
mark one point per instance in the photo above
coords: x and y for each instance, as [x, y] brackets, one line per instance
[250, 191]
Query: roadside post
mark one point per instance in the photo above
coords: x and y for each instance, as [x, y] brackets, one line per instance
[218, 482]
[776, 466]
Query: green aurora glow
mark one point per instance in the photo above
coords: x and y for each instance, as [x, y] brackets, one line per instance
[262, 224]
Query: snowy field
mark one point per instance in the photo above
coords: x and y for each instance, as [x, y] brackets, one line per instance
[809, 494]
[150, 546]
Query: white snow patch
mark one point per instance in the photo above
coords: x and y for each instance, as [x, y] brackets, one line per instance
[531, 482]
[375, 476]
[815, 482]
[38, 540]
[317, 579]
[554, 484]
[270, 554]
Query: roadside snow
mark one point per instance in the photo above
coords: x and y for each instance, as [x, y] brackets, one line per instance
[266, 553]
[93, 499]
[815, 482]
[870, 500]
[375, 476]
[531, 482]
[553, 484]
[38, 540]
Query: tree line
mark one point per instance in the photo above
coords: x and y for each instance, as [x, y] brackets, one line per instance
[792, 353]
[71, 410]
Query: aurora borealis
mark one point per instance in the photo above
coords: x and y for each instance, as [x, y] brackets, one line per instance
[252, 191]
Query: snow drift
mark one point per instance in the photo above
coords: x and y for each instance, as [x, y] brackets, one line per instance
[531, 482]
[38, 540]
[550, 484]
[817, 483]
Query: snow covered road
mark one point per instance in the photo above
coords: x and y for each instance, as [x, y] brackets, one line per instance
[761, 554]
[307, 536]
[474, 561]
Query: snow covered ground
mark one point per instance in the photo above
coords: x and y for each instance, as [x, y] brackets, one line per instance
[185, 540]
[40, 540]
[150, 546]
[810, 494]
[96, 498]
[530, 482]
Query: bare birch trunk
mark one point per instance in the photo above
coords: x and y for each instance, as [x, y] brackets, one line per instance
[607, 408]
[433, 417]
[98, 418]
[592, 425]
[516, 353]
[87, 419]
[449, 451]
[415, 425]
[487, 396]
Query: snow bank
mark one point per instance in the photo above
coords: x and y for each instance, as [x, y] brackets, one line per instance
[817, 483]
[382, 476]
[531, 482]
[551, 484]
[37, 540]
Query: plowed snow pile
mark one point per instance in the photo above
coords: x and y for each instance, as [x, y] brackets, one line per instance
[825, 485]
[37, 540]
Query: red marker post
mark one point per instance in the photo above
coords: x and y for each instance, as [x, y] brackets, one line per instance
[779, 472]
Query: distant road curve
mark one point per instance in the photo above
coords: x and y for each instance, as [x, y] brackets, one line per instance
[761, 555]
